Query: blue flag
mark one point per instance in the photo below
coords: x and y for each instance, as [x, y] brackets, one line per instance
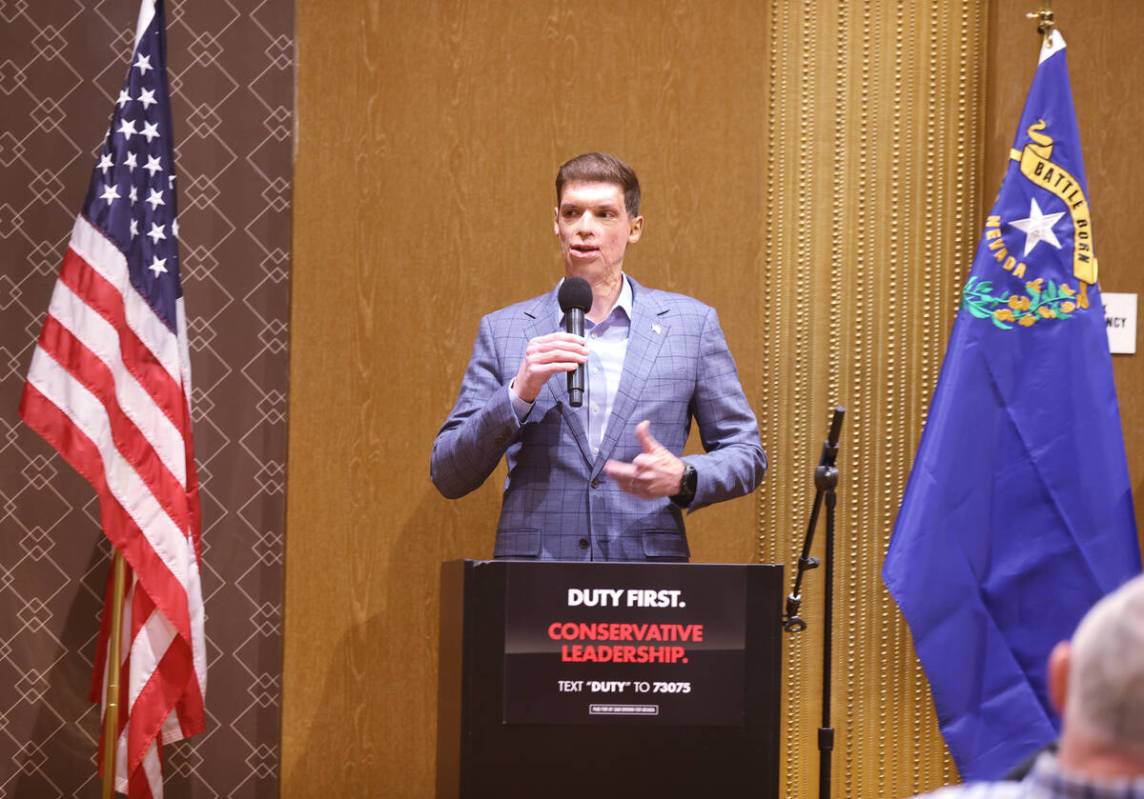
[1018, 515]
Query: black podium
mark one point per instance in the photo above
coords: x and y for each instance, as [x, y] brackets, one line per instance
[609, 680]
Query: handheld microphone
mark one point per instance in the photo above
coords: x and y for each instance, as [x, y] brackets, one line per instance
[575, 297]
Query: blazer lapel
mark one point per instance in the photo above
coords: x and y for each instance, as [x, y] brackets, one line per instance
[645, 338]
[541, 321]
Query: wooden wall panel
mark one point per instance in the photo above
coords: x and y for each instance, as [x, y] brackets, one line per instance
[427, 147]
[812, 169]
[874, 148]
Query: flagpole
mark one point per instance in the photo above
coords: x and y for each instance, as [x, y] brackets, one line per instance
[1045, 20]
[111, 705]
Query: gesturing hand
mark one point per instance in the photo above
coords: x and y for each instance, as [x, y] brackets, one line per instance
[545, 356]
[655, 472]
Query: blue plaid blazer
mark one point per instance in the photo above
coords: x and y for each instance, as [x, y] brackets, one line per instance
[558, 503]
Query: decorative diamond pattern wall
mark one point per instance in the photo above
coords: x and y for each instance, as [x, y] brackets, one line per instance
[232, 78]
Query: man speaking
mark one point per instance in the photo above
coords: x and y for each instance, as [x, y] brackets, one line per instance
[600, 479]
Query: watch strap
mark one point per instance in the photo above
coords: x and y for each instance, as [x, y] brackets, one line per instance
[687, 485]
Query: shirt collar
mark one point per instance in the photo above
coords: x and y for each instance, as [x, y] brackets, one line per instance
[1049, 777]
[623, 302]
[625, 299]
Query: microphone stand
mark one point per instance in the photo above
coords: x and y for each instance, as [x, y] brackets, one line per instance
[825, 481]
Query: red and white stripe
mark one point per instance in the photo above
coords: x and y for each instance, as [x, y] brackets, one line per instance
[109, 388]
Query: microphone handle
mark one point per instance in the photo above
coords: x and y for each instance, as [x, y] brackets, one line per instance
[574, 324]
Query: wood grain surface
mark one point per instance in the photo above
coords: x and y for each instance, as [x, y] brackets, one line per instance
[428, 141]
[814, 170]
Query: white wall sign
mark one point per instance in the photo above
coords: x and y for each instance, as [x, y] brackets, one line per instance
[1120, 319]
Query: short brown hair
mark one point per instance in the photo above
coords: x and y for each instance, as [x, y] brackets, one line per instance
[601, 168]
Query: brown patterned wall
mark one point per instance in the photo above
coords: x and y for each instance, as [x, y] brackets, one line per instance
[231, 66]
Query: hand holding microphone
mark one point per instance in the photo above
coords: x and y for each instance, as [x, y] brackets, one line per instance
[575, 297]
[558, 352]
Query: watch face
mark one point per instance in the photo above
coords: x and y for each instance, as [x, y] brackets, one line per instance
[689, 481]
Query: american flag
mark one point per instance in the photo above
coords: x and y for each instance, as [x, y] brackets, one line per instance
[109, 387]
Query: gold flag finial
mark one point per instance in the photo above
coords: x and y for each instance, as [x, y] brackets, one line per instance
[1045, 20]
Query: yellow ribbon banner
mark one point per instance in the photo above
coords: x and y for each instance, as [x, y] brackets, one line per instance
[1036, 166]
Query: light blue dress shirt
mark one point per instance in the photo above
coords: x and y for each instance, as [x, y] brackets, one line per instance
[607, 346]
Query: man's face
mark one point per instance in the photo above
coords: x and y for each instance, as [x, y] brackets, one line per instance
[594, 229]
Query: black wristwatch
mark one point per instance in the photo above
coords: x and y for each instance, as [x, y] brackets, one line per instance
[687, 485]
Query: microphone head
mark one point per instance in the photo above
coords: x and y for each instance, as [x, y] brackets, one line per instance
[575, 293]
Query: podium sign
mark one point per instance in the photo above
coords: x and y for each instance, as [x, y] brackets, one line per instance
[608, 679]
[643, 644]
